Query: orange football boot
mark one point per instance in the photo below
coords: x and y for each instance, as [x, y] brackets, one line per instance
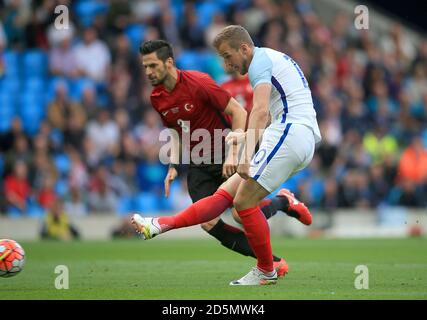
[296, 208]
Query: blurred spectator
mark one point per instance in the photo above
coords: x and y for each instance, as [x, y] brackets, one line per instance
[89, 101]
[240, 88]
[369, 90]
[75, 205]
[380, 143]
[3, 39]
[123, 178]
[20, 151]
[47, 196]
[413, 163]
[16, 17]
[56, 224]
[191, 33]
[93, 56]
[78, 177]
[17, 188]
[353, 191]
[7, 140]
[62, 57]
[148, 131]
[119, 15]
[103, 136]
[329, 200]
[102, 198]
[61, 109]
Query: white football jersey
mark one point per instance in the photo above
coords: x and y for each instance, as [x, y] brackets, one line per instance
[290, 100]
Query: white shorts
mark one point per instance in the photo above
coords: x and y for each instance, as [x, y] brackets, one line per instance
[286, 148]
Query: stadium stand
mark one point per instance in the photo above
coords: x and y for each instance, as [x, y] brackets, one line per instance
[369, 90]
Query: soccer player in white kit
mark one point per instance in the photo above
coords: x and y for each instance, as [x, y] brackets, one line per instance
[281, 93]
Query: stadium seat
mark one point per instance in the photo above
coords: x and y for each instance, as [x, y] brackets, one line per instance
[34, 85]
[10, 85]
[212, 65]
[35, 211]
[11, 62]
[146, 203]
[135, 34]
[32, 112]
[190, 60]
[34, 63]
[13, 212]
[87, 10]
[125, 205]
[7, 112]
[78, 86]
[62, 163]
[61, 187]
[205, 11]
[53, 83]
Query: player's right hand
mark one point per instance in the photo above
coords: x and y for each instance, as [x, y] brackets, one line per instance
[172, 174]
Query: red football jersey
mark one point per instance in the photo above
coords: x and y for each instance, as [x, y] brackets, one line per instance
[196, 102]
[241, 90]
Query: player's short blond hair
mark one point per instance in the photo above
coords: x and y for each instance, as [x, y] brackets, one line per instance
[234, 35]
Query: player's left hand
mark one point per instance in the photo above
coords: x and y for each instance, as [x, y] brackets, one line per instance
[230, 164]
[235, 137]
[243, 170]
[229, 168]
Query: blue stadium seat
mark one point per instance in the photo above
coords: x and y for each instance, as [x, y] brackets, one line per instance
[190, 60]
[7, 112]
[11, 62]
[125, 206]
[35, 63]
[62, 163]
[10, 85]
[146, 202]
[61, 187]
[35, 211]
[87, 10]
[32, 112]
[135, 34]
[35, 85]
[77, 87]
[205, 11]
[53, 83]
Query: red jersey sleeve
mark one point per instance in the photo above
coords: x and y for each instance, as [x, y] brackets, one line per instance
[212, 94]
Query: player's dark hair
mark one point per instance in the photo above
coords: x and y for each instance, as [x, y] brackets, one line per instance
[162, 48]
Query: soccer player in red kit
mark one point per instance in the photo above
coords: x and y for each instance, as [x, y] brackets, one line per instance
[240, 88]
[191, 100]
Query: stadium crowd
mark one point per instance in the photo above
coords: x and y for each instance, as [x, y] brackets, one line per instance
[76, 121]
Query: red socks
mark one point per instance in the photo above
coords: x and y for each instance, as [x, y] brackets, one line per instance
[258, 234]
[201, 211]
[256, 227]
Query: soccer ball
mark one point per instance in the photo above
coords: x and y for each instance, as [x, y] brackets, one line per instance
[12, 258]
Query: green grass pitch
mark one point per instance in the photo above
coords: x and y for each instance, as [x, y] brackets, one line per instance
[202, 269]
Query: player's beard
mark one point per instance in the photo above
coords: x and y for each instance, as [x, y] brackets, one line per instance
[244, 68]
[160, 80]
